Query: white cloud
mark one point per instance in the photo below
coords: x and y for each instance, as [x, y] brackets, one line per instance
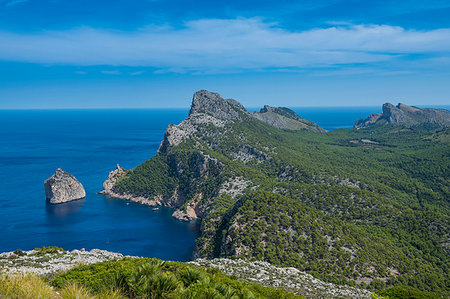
[137, 73]
[15, 2]
[225, 45]
[115, 72]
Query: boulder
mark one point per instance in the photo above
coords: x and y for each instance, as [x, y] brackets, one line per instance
[63, 187]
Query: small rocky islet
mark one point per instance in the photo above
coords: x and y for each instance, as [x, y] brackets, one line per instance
[63, 187]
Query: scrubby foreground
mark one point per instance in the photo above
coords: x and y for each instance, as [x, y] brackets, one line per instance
[52, 262]
[120, 277]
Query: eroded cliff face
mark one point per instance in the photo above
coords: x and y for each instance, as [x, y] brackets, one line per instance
[407, 116]
[196, 174]
[285, 118]
[63, 187]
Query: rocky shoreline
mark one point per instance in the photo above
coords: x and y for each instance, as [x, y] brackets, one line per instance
[173, 202]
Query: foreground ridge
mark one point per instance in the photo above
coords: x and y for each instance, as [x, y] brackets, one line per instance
[51, 261]
[289, 279]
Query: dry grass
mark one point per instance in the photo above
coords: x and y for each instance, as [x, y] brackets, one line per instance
[30, 286]
[25, 286]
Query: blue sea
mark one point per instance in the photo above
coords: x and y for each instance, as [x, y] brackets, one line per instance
[88, 144]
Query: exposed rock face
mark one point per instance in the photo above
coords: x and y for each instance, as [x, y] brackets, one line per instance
[63, 187]
[406, 116]
[108, 185]
[285, 118]
[289, 279]
[228, 109]
[207, 109]
[212, 103]
[33, 261]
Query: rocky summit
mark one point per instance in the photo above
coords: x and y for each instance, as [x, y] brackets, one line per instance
[285, 118]
[63, 187]
[406, 116]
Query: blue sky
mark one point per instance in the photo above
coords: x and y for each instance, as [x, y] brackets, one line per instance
[156, 53]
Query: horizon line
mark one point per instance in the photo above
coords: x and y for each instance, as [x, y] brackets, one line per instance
[187, 108]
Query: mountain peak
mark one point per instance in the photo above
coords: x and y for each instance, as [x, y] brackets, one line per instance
[212, 103]
[285, 118]
[406, 115]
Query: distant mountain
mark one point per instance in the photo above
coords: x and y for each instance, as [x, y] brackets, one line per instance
[367, 208]
[406, 116]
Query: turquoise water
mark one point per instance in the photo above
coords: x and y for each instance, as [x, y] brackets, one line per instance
[88, 144]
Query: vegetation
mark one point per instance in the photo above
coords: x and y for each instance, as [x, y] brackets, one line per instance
[401, 292]
[348, 206]
[135, 278]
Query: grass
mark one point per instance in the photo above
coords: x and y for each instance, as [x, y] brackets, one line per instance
[135, 278]
[26, 286]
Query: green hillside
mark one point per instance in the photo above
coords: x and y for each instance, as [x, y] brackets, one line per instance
[366, 207]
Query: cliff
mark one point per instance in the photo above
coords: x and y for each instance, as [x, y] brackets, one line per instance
[208, 110]
[285, 118]
[407, 116]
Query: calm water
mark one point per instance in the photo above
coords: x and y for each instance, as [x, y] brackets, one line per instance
[88, 144]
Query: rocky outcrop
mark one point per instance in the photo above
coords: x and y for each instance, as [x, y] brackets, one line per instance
[208, 110]
[212, 103]
[63, 187]
[285, 118]
[42, 261]
[407, 116]
[289, 279]
[193, 210]
[113, 176]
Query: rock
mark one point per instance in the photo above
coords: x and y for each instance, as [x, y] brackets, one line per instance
[213, 104]
[182, 216]
[63, 187]
[289, 279]
[113, 176]
[34, 261]
[407, 116]
[285, 118]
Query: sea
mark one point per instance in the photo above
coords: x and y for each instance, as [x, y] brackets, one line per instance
[89, 144]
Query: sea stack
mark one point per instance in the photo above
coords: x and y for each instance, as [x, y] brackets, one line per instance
[63, 187]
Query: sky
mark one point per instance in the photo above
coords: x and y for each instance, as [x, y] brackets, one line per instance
[156, 53]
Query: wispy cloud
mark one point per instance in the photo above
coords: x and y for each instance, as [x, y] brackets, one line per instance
[15, 2]
[137, 73]
[228, 45]
[115, 72]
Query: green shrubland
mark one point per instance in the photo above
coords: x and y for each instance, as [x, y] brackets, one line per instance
[346, 206]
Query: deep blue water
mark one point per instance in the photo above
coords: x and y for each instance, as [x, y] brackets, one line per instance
[88, 144]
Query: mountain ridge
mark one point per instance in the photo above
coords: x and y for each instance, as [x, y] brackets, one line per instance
[407, 116]
[338, 205]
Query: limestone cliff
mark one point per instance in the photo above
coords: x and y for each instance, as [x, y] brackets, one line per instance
[407, 116]
[208, 110]
[285, 118]
[63, 187]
